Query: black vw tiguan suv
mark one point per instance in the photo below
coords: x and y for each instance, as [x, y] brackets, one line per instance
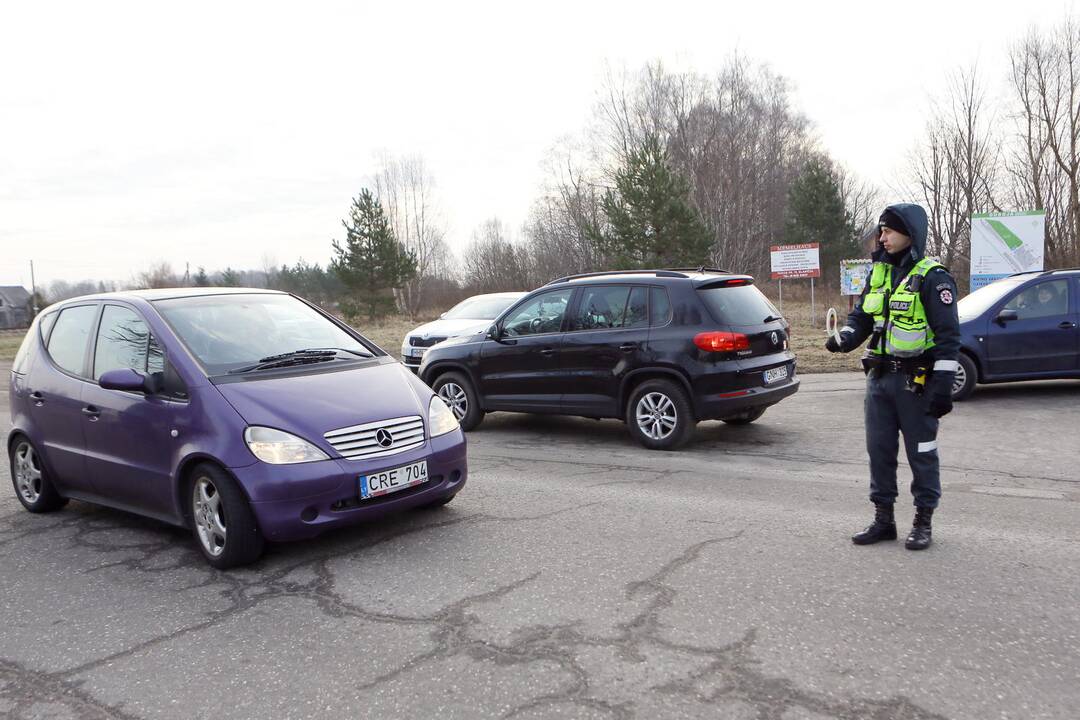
[660, 349]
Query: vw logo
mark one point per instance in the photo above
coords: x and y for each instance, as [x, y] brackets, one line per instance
[384, 438]
[775, 338]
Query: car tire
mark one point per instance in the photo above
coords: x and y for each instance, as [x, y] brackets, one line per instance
[966, 377]
[30, 479]
[745, 418]
[221, 519]
[650, 403]
[458, 393]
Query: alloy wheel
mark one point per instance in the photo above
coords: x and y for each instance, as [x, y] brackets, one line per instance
[27, 473]
[455, 398]
[959, 379]
[656, 415]
[209, 516]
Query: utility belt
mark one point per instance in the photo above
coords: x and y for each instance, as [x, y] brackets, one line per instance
[917, 370]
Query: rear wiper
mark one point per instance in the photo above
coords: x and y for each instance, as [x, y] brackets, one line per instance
[296, 357]
[772, 318]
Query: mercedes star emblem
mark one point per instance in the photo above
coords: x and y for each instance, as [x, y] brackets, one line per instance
[384, 438]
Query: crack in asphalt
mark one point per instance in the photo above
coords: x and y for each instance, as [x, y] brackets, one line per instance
[455, 630]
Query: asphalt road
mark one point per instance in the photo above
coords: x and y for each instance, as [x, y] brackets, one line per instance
[579, 575]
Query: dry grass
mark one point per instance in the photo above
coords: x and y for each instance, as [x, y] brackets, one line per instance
[807, 341]
[388, 332]
[9, 343]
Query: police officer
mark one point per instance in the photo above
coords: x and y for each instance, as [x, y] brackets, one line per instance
[908, 310]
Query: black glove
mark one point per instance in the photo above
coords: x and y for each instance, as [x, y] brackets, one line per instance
[939, 390]
[843, 346]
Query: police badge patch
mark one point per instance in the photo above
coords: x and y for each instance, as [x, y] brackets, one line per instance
[946, 297]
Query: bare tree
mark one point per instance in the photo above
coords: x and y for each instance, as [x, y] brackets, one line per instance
[1044, 166]
[407, 191]
[956, 169]
[159, 275]
[493, 263]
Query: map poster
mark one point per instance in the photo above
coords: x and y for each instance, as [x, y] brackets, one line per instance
[1005, 243]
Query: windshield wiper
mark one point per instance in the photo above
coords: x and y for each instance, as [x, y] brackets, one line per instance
[297, 357]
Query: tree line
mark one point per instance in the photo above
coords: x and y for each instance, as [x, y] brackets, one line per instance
[689, 169]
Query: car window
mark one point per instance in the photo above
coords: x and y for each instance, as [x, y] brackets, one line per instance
[601, 308]
[738, 305]
[1046, 299]
[225, 332]
[541, 314]
[124, 341]
[659, 307]
[637, 308]
[69, 337]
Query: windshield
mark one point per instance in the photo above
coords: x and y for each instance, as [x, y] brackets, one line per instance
[479, 308]
[225, 332]
[982, 299]
[739, 305]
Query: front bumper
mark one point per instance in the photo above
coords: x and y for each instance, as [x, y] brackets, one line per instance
[293, 502]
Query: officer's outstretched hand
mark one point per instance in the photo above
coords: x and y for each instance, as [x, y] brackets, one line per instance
[940, 392]
[832, 346]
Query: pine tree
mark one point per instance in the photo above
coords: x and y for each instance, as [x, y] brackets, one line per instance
[816, 214]
[650, 220]
[370, 262]
[201, 279]
[230, 278]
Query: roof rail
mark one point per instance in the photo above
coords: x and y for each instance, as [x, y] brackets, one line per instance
[657, 273]
[700, 269]
[1072, 269]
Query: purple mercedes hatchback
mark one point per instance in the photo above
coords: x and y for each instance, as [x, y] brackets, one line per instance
[246, 415]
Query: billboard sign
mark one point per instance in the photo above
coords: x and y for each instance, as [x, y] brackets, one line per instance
[795, 261]
[1005, 243]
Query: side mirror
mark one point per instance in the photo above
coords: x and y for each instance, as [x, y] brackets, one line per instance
[492, 332]
[126, 379]
[1005, 316]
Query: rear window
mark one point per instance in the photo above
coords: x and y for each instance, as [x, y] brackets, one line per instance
[69, 337]
[659, 307]
[739, 305]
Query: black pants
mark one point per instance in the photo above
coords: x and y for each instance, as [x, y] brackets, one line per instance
[892, 409]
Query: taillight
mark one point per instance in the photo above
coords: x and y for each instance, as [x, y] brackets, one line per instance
[722, 341]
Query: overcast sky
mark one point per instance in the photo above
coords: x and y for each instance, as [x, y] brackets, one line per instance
[231, 134]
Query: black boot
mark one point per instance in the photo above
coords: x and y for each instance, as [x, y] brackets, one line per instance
[883, 527]
[919, 537]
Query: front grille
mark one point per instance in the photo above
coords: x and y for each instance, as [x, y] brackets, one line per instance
[359, 442]
[424, 342]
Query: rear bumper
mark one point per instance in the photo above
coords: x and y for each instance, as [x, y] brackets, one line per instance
[336, 503]
[714, 407]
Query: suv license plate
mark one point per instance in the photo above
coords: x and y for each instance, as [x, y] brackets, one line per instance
[775, 374]
[389, 481]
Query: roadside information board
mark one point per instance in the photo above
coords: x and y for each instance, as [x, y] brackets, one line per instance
[853, 276]
[1005, 243]
[795, 261]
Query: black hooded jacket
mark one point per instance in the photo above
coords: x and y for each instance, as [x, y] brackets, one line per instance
[938, 293]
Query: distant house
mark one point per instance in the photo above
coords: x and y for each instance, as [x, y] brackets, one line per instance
[14, 307]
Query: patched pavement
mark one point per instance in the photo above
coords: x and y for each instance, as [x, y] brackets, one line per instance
[579, 575]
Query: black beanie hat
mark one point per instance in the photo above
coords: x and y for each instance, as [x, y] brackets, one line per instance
[893, 221]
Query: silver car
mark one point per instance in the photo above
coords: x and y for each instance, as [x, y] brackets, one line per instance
[471, 315]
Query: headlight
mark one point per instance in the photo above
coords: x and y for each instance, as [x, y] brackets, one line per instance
[441, 419]
[280, 448]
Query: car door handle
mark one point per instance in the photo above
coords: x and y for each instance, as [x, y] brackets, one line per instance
[91, 413]
[1066, 325]
[37, 398]
[547, 352]
[628, 347]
